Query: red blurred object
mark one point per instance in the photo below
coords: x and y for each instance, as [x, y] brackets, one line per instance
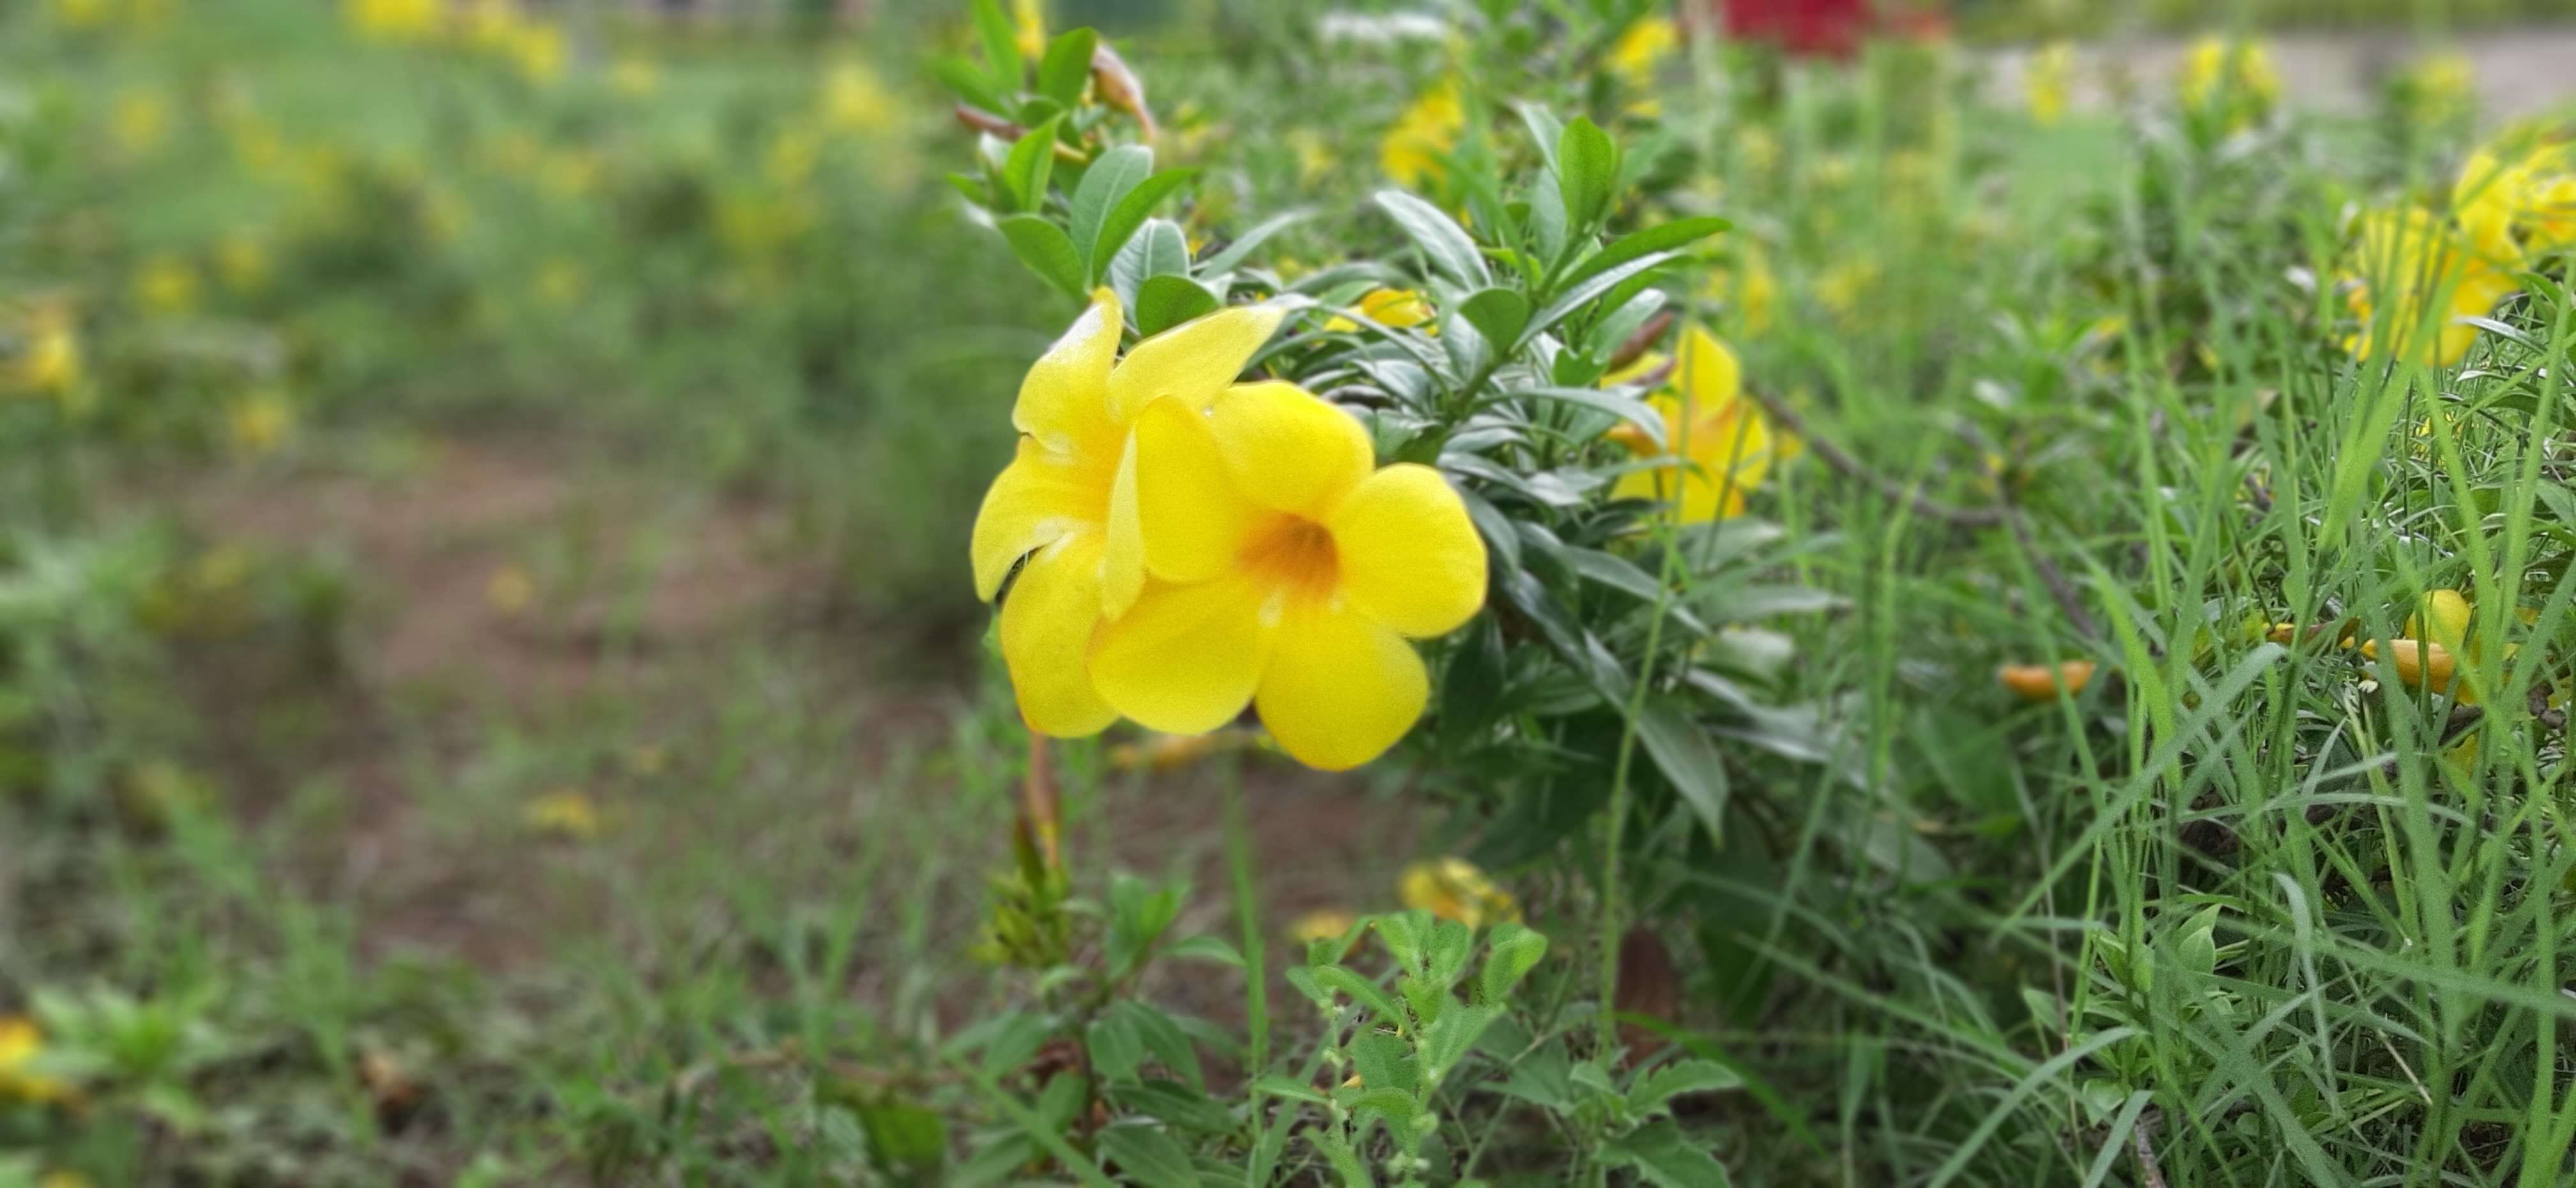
[1825, 28]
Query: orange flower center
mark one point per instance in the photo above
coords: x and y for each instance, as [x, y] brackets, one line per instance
[1293, 554]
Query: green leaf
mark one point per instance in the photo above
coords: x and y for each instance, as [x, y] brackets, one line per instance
[1241, 249]
[1395, 1105]
[1001, 43]
[1133, 209]
[905, 1141]
[1616, 572]
[1139, 911]
[1042, 246]
[1383, 1061]
[1448, 1041]
[1658, 1088]
[1498, 314]
[1067, 65]
[1031, 162]
[1547, 222]
[1160, 250]
[1587, 172]
[1279, 1086]
[1206, 946]
[1364, 992]
[1146, 1155]
[1346, 1162]
[1544, 128]
[1442, 241]
[1662, 237]
[1584, 292]
[1103, 186]
[1163, 1038]
[1001, 1159]
[1627, 408]
[1511, 951]
[1173, 1102]
[971, 84]
[1163, 302]
[1687, 757]
[1116, 1048]
[2198, 947]
[1664, 1156]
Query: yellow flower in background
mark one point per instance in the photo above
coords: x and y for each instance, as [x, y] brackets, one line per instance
[20, 1044]
[2443, 618]
[1314, 158]
[1063, 515]
[854, 101]
[243, 261]
[1029, 27]
[1322, 924]
[538, 49]
[1289, 573]
[2233, 79]
[1397, 309]
[570, 175]
[1455, 889]
[1412, 152]
[1748, 289]
[792, 156]
[140, 122]
[566, 813]
[1842, 286]
[2051, 76]
[1639, 53]
[635, 78]
[260, 422]
[78, 14]
[1719, 443]
[2549, 213]
[1757, 148]
[444, 215]
[2408, 264]
[166, 285]
[2486, 198]
[2439, 88]
[510, 591]
[394, 20]
[49, 361]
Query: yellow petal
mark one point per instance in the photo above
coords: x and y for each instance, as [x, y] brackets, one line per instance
[1036, 499]
[1047, 627]
[1193, 521]
[1410, 558]
[1064, 402]
[1191, 362]
[1706, 372]
[1340, 689]
[1122, 559]
[1288, 450]
[1184, 659]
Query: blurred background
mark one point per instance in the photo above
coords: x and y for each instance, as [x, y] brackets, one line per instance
[483, 492]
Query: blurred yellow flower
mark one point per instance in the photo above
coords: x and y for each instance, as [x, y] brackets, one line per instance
[1455, 889]
[64, 1179]
[570, 175]
[141, 121]
[1393, 308]
[635, 78]
[243, 261]
[444, 214]
[538, 49]
[758, 226]
[260, 421]
[1415, 145]
[1720, 442]
[166, 285]
[2233, 80]
[1638, 53]
[78, 14]
[1029, 27]
[1757, 148]
[1314, 158]
[1749, 290]
[566, 813]
[510, 591]
[792, 156]
[394, 20]
[2051, 76]
[20, 1044]
[2439, 88]
[2408, 265]
[1844, 284]
[1322, 924]
[854, 101]
[1061, 522]
[49, 362]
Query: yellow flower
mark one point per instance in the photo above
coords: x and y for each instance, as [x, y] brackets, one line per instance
[166, 285]
[243, 262]
[2549, 213]
[567, 813]
[1412, 152]
[1843, 285]
[1757, 148]
[1720, 441]
[510, 590]
[2232, 79]
[260, 421]
[140, 122]
[1064, 512]
[635, 78]
[2409, 263]
[2051, 75]
[78, 14]
[2439, 88]
[1639, 52]
[2444, 619]
[1028, 27]
[50, 360]
[538, 49]
[1323, 924]
[1393, 308]
[570, 175]
[791, 158]
[1288, 574]
[394, 20]
[2486, 198]
[854, 101]
[20, 1044]
[1749, 290]
[1314, 158]
[1454, 889]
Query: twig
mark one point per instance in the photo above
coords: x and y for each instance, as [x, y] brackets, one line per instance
[2150, 1173]
[1850, 467]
